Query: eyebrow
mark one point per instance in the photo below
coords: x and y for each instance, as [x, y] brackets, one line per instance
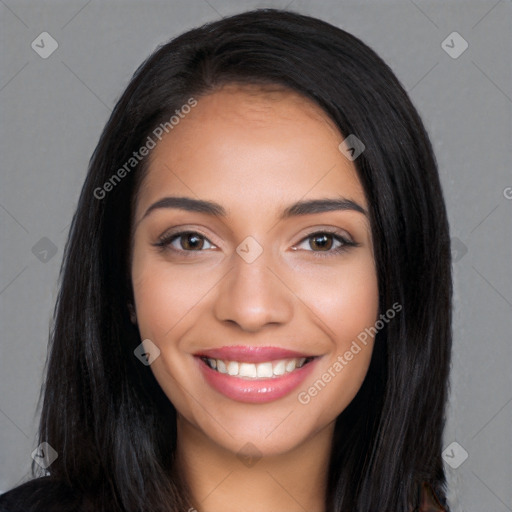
[299, 208]
[320, 206]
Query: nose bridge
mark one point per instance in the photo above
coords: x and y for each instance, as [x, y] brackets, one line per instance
[251, 295]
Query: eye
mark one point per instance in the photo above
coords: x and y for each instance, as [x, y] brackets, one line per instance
[185, 241]
[325, 241]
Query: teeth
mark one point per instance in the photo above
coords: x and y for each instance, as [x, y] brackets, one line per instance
[291, 365]
[233, 368]
[256, 371]
[247, 370]
[264, 370]
[279, 368]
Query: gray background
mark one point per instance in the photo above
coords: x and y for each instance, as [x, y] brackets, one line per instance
[54, 109]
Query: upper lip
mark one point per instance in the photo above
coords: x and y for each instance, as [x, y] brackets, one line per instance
[251, 354]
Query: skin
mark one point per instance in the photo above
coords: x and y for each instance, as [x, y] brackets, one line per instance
[254, 152]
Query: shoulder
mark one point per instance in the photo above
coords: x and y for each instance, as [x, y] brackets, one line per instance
[41, 494]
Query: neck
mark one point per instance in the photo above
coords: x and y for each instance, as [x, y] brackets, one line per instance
[220, 480]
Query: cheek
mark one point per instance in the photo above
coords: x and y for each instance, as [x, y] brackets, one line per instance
[346, 303]
[358, 302]
[344, 298]
[166, 299]
[165, 294]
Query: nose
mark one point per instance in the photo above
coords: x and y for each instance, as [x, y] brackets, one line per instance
[252, 297]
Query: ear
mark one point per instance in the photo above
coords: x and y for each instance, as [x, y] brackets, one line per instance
[133, 315]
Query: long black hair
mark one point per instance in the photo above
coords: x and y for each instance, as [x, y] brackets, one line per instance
[103, 411]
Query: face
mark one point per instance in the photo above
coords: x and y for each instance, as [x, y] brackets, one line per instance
[253, 270]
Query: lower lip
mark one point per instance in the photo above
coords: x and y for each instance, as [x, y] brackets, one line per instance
[255, 391]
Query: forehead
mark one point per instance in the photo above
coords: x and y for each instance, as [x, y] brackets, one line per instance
[242, 143]
[257, 105]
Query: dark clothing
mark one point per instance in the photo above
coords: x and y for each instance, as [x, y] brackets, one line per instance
[48, 495]
[41, 495]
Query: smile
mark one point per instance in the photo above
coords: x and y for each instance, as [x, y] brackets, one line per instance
[254, 374]
[265, 370]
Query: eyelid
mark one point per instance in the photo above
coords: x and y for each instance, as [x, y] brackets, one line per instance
[182, 229]
[341, 236]
[341, 233]
[165, 240]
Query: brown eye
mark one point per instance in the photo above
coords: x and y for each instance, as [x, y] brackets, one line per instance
[326, 242]
[321, 242]
[185, 241]
[191, 242]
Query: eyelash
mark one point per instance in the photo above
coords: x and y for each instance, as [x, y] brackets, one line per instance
[164, 243]
[346, 243]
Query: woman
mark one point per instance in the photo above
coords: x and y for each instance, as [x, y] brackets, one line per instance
[255, 307]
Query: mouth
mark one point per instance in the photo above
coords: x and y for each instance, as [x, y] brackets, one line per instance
[251, 371]
[254, 374]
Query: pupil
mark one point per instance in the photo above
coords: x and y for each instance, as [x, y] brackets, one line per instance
[322, 242]
[192, 242]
